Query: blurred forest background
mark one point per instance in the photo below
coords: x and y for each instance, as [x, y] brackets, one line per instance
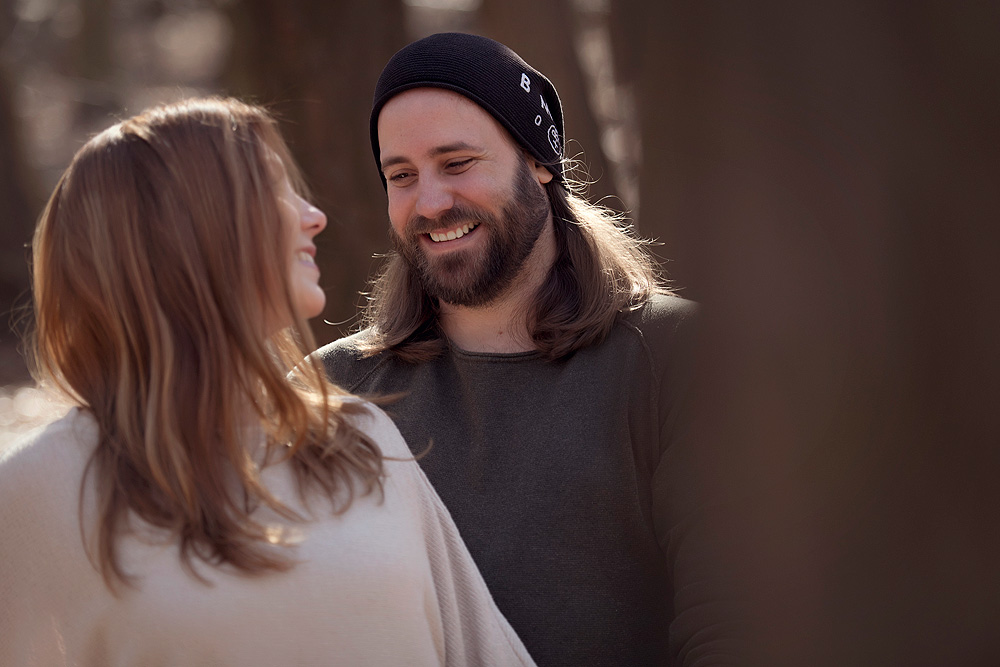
[823, 177]
[72, 67]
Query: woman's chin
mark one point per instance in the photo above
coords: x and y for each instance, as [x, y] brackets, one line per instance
[310, 305]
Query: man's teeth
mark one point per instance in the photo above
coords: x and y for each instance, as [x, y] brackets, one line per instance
[453, 234]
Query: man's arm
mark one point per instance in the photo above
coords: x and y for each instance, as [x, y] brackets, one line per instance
[691, 515]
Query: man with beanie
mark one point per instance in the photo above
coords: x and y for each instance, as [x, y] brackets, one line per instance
[539, 361]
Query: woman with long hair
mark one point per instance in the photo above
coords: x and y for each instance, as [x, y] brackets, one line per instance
[211, 499]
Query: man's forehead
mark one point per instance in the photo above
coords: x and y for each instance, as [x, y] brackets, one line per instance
[434, 119]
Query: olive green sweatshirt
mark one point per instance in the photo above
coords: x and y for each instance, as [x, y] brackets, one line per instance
[570, 482]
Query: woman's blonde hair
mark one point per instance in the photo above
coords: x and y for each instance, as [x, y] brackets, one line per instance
[156, 263]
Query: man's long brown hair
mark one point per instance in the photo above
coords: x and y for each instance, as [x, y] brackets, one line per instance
[157, 264]
[601, 271]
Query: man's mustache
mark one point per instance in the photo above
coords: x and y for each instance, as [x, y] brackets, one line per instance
[453, 217]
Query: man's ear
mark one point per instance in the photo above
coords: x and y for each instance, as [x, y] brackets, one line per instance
[541, 173]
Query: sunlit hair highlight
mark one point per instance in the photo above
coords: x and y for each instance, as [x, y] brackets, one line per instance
[602, 270]
[158, 264]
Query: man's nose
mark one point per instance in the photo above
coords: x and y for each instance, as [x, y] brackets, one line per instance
[433, 198]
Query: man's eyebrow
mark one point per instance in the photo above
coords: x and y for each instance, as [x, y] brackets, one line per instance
[434, 152]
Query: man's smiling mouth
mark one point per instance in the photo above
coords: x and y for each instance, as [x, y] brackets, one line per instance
[456, 233]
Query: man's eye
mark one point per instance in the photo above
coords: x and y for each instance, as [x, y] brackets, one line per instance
[400, 176]
[459, 164]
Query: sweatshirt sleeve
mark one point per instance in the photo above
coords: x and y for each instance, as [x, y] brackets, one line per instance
[24, 637]
[51, 594]
[475, 631]
[688, 511]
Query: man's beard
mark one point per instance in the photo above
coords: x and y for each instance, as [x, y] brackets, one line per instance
[477, 277]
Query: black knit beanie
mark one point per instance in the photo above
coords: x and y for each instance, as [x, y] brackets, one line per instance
[489, 74]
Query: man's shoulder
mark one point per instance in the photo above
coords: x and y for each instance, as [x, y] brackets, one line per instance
[347, 360]
[663, 315]
[348, 346]
[665, 328]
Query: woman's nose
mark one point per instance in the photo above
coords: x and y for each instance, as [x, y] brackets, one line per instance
[313, 219]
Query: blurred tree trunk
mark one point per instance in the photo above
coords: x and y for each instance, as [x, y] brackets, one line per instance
[548, 42]
[315, 62]
[20, 203]
[640, 47]
[92, 55]
[19, 200]
[829, 172]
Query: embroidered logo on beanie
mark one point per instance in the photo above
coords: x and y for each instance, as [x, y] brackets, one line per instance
[553, 131]
[520, 97]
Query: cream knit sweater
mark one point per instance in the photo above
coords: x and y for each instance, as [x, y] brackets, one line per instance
[389, 582]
